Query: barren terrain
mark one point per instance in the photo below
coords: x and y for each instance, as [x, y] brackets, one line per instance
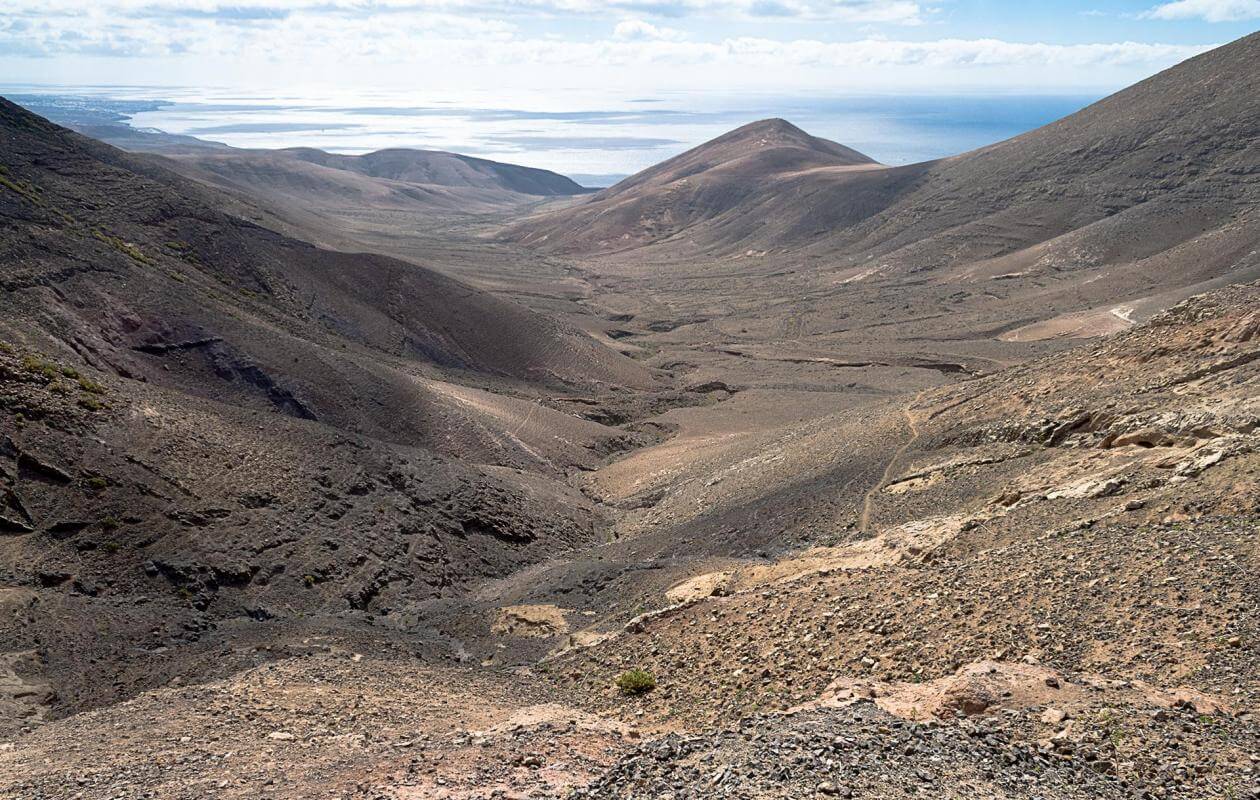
[928, 481]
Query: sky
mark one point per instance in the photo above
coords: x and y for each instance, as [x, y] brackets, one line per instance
[528, 48]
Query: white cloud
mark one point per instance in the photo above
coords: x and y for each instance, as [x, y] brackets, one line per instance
[869, 53]
[1210, 10]
[300, 36]
[636, 30]
[899, 12]
[480, 44]
[413, 37]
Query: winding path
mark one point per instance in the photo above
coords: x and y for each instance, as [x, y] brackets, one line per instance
[868, 501]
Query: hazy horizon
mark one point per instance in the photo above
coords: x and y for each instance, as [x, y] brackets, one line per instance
[595, 140]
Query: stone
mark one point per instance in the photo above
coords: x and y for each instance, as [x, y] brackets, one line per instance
[1053, 716]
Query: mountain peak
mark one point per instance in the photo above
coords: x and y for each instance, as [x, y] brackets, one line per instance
[702, 183]
[749, 153]
[773, 125]
[778, 132]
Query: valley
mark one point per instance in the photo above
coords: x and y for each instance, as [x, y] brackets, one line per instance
[376, 476]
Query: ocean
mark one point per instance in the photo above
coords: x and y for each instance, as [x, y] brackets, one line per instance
[596, 139]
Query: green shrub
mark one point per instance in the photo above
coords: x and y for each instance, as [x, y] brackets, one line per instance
[97, 482]
[37, 366]
[90, 386]
[635, 682]
[110, 523]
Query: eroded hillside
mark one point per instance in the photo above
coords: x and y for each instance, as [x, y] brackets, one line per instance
[769, 472]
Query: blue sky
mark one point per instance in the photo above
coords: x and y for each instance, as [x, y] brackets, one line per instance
[615, 46]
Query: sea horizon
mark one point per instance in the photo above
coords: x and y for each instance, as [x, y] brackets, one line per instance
[596, 140]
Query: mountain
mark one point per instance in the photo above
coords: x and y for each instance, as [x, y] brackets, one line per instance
[306, 192]
[436, 168]
[763, 162]
[204, 420]
[1157, 179]
[426, 167]
[410, 180]
[754, 151]
[342, 201]
[196, 263]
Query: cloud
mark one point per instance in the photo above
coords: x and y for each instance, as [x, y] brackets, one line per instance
[409, 37]
[898, 12]
[1210, 10]
[419, 41]
[865, 53]
[302, 36]
[636, 30]
[416, 30]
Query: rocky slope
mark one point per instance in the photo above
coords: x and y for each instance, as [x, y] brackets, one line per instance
[711, 186]
[1049, 594]
[1143, 198]
[1066, 547]
[204, 421]
[1177, 149]
[135, 270]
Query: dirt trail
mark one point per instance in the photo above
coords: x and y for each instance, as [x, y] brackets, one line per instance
[869, 499]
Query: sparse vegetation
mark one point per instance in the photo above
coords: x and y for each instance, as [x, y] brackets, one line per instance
[40, 368]
[1109, 721]
[90, 386]
[126, 248]
[635, 682]
[97, 483]
[25, 189]
[185, 252]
